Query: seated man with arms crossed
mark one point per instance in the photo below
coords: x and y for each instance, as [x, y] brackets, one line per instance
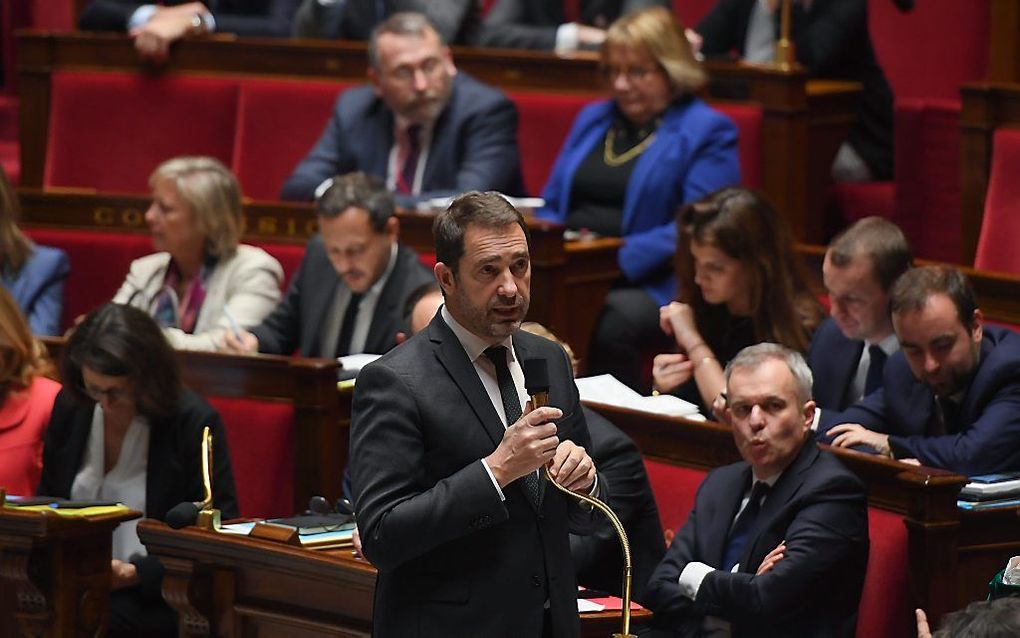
[776, 545]
[429, 130]
[849, 350]
[951, 397]
[355, 279]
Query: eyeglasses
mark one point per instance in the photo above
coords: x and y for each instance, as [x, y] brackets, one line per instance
[113, 395]
[633, 73]
[405, 73]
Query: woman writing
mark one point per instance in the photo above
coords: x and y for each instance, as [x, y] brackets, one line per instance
[739, 286]
[628, 164]
[203, 282]
[124, 429]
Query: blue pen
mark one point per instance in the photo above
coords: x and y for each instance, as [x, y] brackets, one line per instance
[236, 329]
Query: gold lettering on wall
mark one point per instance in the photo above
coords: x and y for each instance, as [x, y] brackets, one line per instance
[112, 216]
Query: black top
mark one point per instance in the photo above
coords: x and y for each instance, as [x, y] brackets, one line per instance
[599, 189]
[733, 335]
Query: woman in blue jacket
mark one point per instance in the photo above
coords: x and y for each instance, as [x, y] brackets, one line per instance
[628, 164]
[34, 275]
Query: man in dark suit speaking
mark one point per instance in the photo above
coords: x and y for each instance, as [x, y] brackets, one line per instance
[355, 279]
[776, 545]
[428, 130]
[467, 537]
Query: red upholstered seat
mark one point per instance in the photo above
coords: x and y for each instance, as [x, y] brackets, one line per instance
[289, 256]
[675, 488]
[261, 439]
[278, 121]
[108, 131]
[1001, 225]
[886, 608]
[545, 120]
[927, 168]
[748, 119]
[99, 263]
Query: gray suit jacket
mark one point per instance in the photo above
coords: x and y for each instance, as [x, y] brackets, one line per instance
[457, 21]
[532, 24]
[297, 322]
[450, 553]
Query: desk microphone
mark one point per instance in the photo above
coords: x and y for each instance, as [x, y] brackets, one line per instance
[200, 512]
[536, 381]
[183, 514]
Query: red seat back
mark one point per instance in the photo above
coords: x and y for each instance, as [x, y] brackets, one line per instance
[289, 256]
[545, 120]
[260, 435]
[1000, 228]
[674, 488]
[886, 608]
[278, 121]
[108, 131]
[99, 263]
[748, 119]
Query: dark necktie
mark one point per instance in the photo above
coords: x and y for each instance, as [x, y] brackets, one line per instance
[343, 344]
[741, 531]
[409, 166]
[950, 415]
[512, 407]
[873, 380]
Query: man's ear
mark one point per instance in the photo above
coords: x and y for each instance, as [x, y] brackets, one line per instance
[392, 228]
[977, 329]
[445, 276]
[375, 80]
[809, 414]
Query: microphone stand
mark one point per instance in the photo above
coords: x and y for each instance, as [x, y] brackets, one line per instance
[541, 399]
[208, 516]
[785, 58]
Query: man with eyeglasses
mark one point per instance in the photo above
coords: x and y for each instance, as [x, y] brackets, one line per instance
[777, 544]
[426, 129]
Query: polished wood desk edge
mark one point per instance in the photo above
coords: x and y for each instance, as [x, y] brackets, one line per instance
[42, 524]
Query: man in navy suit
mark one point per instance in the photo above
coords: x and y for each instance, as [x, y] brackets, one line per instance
[951, 397]
[777, 544]
[428, 130]
[849, 350]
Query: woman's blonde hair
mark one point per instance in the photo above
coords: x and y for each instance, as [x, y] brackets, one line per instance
[212, 194]
[22, 357]
[659, 34]
[15, 248]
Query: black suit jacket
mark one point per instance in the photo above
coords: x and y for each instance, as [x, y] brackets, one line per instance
[819, 508]
[456, 21]
[297, 322]
[832, 41]
[451, 556]
[244, 17]
[532, 24]
[833, 361]
[174, 473]
[474, 144]
[598, 558]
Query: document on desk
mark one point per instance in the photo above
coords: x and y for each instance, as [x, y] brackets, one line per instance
[606, 389]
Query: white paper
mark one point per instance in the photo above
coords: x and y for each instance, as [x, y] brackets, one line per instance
[585, 605]
[608, 390]
[355, 362]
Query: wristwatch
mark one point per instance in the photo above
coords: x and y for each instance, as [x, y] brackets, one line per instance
[200, 23]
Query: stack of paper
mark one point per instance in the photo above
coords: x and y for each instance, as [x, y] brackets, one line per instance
[607, 390]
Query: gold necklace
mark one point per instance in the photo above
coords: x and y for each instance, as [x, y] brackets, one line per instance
[611, 158]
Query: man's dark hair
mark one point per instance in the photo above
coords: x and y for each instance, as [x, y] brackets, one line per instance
[486, 210]
[122, 341]
[401, 23]
[881, 241]
[998, 618]
[913, 289]
[419, 293]
[358, 190]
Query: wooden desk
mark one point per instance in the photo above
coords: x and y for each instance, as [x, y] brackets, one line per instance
[321, 419]
[55, 573]
[569, 279]
[952, 554]
[804, 120]
[225, 585]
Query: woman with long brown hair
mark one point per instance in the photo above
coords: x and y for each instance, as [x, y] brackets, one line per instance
[739, 285]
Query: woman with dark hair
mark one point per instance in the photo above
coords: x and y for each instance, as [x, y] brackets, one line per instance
[739, 285]
[26, 398]
[124, 429]
[34, 275]
[628, 163]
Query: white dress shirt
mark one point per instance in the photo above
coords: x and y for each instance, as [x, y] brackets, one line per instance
[366, 311]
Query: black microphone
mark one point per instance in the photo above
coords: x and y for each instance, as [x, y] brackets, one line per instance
[183, 514]
[536, 380]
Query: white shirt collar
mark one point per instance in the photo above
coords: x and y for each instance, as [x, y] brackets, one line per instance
[473, 345]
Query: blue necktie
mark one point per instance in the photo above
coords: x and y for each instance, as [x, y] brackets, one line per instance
[873, 380]
[741, 531]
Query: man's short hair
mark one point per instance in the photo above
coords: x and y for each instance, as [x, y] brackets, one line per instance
[487, 210]
[913, 289]
[754, 356]
[999, 618]
[401, 23]
[358, 190]
[417, 295]
[879, 240]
